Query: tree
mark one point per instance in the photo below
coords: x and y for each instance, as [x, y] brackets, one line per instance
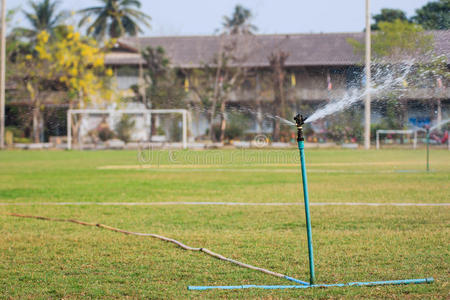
[277, 61]
[396, 40]
[72, 64]
[157, 72]
[163, 88]
[214, 82]
[15, 45]
[37, 78]
[239, 22]
[79, 64]
[43, 16]
[233, 40]
[434, 15]
[388, 15]
[392, 44]
[115, 18]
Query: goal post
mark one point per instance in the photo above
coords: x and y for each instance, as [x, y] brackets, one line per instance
[392, 131]
[146, 113]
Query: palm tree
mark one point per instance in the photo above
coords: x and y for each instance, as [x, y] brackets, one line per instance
[239, 21]
[44, 15]
[115, 18]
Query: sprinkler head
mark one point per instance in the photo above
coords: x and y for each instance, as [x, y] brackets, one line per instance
[300, 120]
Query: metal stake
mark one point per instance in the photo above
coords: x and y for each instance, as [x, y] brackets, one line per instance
[301, 147]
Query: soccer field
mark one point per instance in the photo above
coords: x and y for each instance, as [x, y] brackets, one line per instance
[406, 235]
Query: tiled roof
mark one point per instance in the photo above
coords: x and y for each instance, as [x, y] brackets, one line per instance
[322, 49]
[442, 42]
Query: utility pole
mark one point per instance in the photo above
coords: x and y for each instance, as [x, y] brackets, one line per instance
[367, 69]
[2, 75]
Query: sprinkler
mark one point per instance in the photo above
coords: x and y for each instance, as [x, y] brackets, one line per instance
[300, 121]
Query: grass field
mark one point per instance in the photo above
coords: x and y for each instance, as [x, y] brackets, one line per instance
[41, 259]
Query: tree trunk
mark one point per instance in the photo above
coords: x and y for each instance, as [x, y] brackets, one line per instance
[212, 136]
[439, 112]
[277, 108]
[277, 61]
[76, 124]
[259, 117]
[216, 92]
[72, 125]
[36, 122]
[223, 122]
[276, 131]
[152, 127]
[282, 95]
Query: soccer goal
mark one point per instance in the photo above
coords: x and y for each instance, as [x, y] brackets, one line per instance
[408, 133]
[90, 127]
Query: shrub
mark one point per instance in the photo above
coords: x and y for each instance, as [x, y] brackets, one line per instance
[236, 126]
[103, 131]
[104, 134]
[346, 127]
[125, 128]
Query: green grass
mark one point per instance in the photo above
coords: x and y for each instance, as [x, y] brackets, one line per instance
[40, 259]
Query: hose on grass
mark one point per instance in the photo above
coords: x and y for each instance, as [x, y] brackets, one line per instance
[163, 238]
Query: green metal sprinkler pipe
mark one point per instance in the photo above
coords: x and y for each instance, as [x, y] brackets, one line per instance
[301, 147]
[304, 285]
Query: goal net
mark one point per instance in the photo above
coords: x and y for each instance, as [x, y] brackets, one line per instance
[399, 137]
[127, 128]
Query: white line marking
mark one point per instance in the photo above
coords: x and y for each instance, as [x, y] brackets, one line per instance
[213, 168]
[268, 164]
[221, 203]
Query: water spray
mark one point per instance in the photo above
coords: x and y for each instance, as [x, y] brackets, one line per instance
[300, 121]
[385, 81]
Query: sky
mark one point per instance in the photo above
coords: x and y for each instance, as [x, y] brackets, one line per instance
[203, 17]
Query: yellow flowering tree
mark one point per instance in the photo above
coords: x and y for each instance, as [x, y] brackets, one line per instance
[78, 63]
[69, 63]
[38, 78]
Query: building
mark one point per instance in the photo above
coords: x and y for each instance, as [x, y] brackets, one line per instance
[319, 67]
